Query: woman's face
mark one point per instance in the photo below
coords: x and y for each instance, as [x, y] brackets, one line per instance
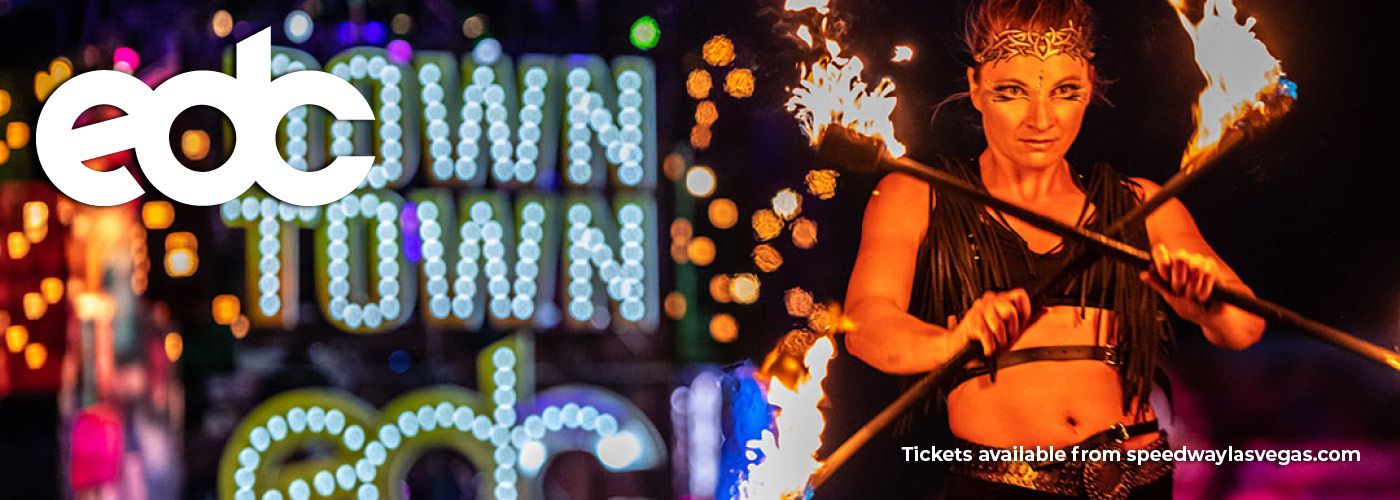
[1032, 109]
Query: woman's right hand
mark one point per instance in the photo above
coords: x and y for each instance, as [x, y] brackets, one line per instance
[996, 319]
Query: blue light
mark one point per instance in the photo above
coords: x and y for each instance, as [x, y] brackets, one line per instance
[374, 32]
[398, 362]
[347, 33]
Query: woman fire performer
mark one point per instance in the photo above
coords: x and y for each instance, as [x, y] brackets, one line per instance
[1074, 369]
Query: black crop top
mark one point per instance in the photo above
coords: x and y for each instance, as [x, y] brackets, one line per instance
[1024, 266]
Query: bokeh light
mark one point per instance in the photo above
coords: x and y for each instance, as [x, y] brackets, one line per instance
[4, 102]
[700, 136]
[902, 53]
[400, 52]
[739, 83]
[804, 233]
[125, 60]
[16, 336]
[17, 244]
[35, 355]
[34, 306]
[174, 346]
[719, 288]
[673, 166]
[17, 135]
[675, 305]
[52, 289]
[822, 183]
[698, 84]
[157, 214]
[645, 33]
[706, 113]
[401, 24]
[798, 302]
[744, 288]
[222, 24]
[36, 221]
[240, 327]
[701, 251]
[787, 204]
[767, 258]
[723, 328]
[194, 143]
[767, 225]
[226, 309]
[474, 26]
[298, 26]
[723, 213]
[719, 51]
[700, 181]
[373, 32]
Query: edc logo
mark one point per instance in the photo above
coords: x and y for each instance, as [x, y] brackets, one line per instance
[253, 102]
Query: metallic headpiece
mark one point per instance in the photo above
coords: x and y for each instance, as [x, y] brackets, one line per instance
[1007, 44]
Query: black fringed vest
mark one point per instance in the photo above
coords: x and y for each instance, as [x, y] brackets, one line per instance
[958, 261]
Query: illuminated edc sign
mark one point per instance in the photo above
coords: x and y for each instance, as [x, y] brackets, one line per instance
[567, 143]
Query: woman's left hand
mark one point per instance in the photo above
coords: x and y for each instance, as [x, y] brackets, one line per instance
[1185, 280]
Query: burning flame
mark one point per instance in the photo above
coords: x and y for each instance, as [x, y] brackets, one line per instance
[790, 455]
[832, 91]
[1238, 69]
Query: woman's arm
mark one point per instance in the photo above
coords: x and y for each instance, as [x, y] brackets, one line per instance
[885, 335]
[1186, 270]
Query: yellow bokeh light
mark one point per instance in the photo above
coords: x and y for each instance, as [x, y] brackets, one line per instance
[767, 258]
[240, 327]
[18, 245]
[701, 251]
[4, 102]
[700, 136]
[4, 153]
[719, 51]
[719, 289]
[787, 204]
[35, 355]
[194, 143]
[698, 84]
[226, 309]
[673, 166]
[222, 23]
[744, 288]
[723, 328]
[700, 181]
[45, 81]
[52, 289]
[723, 213]
[804, 233]
[36, 221]
[157, 214]
[181, 263]
[174, 346]
[822, 183]
[739, 83]
[706, 113]
[16, 336]
[675, 305]
[183, 239]
[678, 252]
[767, 225]
[17, 134]
[34, 306]
[798, 302]
[827, 319]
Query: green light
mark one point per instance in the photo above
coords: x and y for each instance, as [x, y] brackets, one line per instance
[645, 33]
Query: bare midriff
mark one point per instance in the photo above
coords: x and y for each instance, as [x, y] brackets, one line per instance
[1048, 403]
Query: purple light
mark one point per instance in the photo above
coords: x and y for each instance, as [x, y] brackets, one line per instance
[400, 52]
[412, 244]
[347, 33]
[374, 32]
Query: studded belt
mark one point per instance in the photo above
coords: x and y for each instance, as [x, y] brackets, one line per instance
[1101, 480]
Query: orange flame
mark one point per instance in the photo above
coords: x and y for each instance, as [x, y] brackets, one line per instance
[790, 455]
[1238, 69]
[832, 91]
